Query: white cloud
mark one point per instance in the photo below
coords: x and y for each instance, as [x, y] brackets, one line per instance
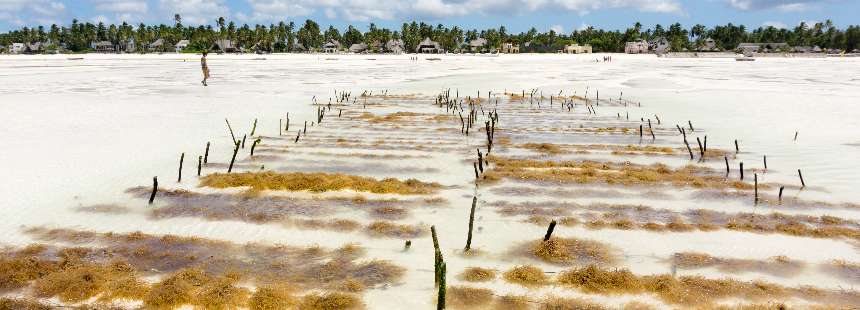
[121, 6]
[24, 12]
[557, 28]
[364, 10]
[782, 5]
[775, 24]
[195, 12]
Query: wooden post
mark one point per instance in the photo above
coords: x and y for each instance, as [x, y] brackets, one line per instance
[181, 161]
[254, 128]
[640, 131]
[549, 231]
[727, 165]
[287, 129]
[253, 146]
[154, 189]
[305, 131]
[280, 126]
[407, 245]
[243, 140]
[705, 144]
[691, 125]
[477, 175]
[701, 149]
[737, 148]
[755, 182]
[689, 149]
[231, 130]
[799, 174]
[741, 169]
[795, 136]
[780, 193]
[199, 164]
[471, 224]
[765, 162]
[440, 303]
[232, 160]
[438, 253]
[206, 155]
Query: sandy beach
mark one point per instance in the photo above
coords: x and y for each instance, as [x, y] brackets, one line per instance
[85, 137]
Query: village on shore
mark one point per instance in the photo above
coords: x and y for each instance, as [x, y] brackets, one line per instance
[805, 40]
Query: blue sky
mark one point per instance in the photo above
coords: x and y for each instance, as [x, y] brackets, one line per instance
[516, 15]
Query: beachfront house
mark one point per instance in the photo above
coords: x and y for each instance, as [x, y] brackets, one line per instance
[659, 45]
[510, 48]
[577, 49]
[298, 48]
[182, 45]
[157, 46]
[103, 47]
[332, 46]
[358, 48]
[769, 47]
[129, 46]
[806, 49]
[394, 46]
[428, 47]
[708, 45]
[636, 47]
[33, 48]
[478, 45]
[16, 48]
[224, 46]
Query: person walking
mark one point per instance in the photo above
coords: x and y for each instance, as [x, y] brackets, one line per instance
[205, 68]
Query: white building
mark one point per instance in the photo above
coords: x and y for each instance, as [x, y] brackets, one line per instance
[577, 49]
[636, 47]
[181, 45]
[17, 48]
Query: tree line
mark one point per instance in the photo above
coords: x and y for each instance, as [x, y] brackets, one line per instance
[286, 37]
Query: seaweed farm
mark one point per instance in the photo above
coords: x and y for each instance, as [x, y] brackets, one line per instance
[430, 196]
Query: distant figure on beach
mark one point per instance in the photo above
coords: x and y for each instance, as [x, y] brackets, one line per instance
[205, 68]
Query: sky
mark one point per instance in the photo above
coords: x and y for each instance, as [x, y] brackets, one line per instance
[517, 15]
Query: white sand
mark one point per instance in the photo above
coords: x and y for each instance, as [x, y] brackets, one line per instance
[79, 132]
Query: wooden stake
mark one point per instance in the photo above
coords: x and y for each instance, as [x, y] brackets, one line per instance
[232, 160]
[154, 189]
[727, 165]
[477, 175]
[737, 148]
[549, 231]
[254, 129]
[231, 130]
[243, 140]
[755, 181]
[741, 169]
[253, 146]
[799, 174]
[206, 155]
[440, 302]
[780, 193]
[701, 149]
[471, 224]
[765, 162]
[691, 125]
[199, 164]
[689, 149]
[181, 160]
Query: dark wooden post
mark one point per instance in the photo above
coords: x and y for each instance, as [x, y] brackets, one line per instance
[206, 155]
[741, 169]
[232, 160]
[440, 303]
[231, 130]
[181, 161]
[727, 165]
[799, 174]
[199, 164]
[780, 193]
[471, 224]
[755, 181]
[549, 231]
[154, 189]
